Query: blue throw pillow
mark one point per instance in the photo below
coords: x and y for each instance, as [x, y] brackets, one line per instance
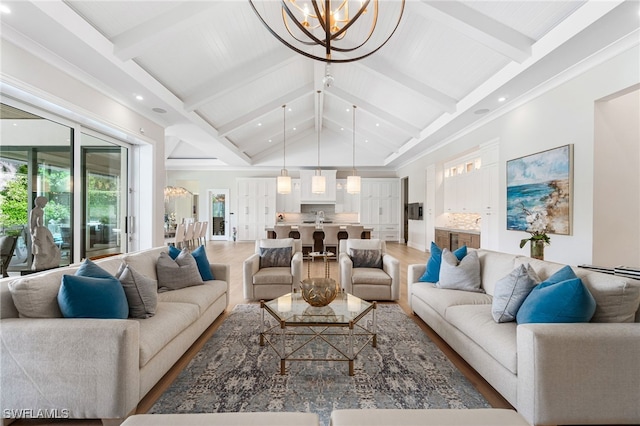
[200, 255]
[88, 297]
[432, 273]
[566, 301]
[174, 252]
[90, 269]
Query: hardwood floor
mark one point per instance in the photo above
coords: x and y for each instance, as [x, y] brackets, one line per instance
[234, 254]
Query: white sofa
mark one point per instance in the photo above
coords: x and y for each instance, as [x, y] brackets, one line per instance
[99, 368]
[580, 373]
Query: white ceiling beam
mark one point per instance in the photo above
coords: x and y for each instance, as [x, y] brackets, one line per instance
[405, 128]
[491, 33]
[581, 19]
[263, 110]
[238, 77]
[170, 145]
[392, 76]
[135, 41]
[68, 19]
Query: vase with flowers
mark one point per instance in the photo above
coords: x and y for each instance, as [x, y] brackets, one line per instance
[537, 226]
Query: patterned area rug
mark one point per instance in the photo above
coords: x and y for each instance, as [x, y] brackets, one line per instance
[234, 373]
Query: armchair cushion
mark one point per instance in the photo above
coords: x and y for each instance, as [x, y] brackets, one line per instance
[275, 257]
[366, 258]
[374, 276]
[274, 275]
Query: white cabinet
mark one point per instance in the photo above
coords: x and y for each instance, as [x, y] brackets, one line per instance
[306, 196]
[490, 221]
[289, 203]
[345, 202]
[429, 207]
[380, 208]
[256, 207]
[462, 194]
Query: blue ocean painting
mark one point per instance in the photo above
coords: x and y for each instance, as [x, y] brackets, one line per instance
[540, 182]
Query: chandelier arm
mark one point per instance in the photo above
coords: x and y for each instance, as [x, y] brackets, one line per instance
[374, 22]
[285, 9]
[353, 20]
[320, 58]
[344, 61]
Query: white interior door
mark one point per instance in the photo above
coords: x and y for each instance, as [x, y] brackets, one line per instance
[219, 214]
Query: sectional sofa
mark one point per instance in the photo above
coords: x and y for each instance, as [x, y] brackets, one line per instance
[96, 368]
[552, 373]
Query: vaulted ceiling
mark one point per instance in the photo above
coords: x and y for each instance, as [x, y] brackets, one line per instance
[213, 75]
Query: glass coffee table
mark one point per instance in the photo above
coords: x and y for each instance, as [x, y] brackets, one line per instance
[344, 328]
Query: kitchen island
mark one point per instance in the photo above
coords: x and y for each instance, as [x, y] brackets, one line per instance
[318, 235]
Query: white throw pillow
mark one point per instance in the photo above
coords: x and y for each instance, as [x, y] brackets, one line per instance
[463, 275]
[511, 291]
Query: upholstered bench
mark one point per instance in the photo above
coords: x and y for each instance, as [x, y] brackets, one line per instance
[224, 419]
[424, 417]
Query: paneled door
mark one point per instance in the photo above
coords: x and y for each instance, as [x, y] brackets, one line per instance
[219, 214]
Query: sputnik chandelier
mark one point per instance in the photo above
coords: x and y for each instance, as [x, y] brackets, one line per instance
[331, 30]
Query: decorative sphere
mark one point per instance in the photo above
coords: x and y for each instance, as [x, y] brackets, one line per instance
[319, 291]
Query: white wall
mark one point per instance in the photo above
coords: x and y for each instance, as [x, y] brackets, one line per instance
[563, 115]
[33, 81]
[616, 211]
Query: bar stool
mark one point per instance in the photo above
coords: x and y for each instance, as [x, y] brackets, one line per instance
[306, 237]
[331, 238]
[282, 231]
[355, 231]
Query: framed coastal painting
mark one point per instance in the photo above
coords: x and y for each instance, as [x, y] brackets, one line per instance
[541, 184]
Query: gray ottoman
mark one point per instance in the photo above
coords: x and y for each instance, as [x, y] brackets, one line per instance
[224, 419]
[393, 417]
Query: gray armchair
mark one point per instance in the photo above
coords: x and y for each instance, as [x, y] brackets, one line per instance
[272, 272]
[367, 271]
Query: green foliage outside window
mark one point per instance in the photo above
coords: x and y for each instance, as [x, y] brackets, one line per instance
[13, 201]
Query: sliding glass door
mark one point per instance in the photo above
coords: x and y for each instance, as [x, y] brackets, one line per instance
[105, 202]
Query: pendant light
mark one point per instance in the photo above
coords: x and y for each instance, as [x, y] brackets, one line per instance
[284, 180]
[353, 181]
[318, 182]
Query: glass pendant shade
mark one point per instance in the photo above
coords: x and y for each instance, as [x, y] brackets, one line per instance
[353, 181]
[318, 183]
[353, 184]
[284, 183]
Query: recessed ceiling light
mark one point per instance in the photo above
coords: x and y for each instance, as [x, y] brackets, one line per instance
[347, 109]
[159, 110]
[139, 97]
[270, 140]
[290, 110]
[4, 9]
[259, 124]
[295, 128]
[341, 128]
[377, 124]
[502, 99]
[481, 111]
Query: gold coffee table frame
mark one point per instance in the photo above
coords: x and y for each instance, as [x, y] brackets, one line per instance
[299, 324]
